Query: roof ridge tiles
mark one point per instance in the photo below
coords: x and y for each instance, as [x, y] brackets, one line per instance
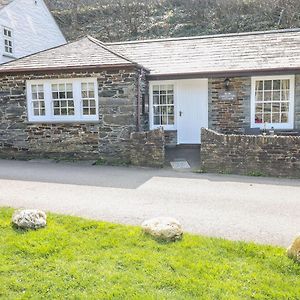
[212, 36]
[101, 44]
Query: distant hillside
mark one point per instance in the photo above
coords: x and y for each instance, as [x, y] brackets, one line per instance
[118, 20]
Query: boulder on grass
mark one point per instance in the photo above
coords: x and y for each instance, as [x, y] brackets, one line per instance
[166, 229]
[29, 219]
[293, 250]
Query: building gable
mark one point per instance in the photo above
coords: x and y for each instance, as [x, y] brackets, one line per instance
[33, 28]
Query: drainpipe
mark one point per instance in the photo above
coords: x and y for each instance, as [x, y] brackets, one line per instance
[138, 111]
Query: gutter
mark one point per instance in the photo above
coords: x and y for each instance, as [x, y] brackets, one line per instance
[229, 73]
[63, 69]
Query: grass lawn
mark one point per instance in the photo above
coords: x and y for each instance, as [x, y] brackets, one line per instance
[75, 258]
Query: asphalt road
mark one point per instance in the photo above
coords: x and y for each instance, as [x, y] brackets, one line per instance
[264, 210]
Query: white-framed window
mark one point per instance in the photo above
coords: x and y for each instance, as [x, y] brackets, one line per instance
[38, 100]
[162, 105]
[88, 100]
[62, 100]
[8, 41]
[272, 102]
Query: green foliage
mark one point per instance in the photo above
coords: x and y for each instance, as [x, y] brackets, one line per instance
[141, 19]
[74, 258]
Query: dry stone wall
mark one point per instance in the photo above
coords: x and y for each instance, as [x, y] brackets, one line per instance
[250, 155]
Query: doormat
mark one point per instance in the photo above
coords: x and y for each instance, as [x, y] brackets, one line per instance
[180, 164]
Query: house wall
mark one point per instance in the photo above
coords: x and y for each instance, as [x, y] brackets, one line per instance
[34, 28]
[234, 116]
[107, 138]
[227, 115]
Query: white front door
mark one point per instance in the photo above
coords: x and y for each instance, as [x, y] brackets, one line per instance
[192, 110]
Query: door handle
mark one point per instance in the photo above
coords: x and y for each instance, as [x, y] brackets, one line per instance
[180, 113]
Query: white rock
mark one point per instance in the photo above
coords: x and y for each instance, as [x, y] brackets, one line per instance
[29, 219]
[293, 250]
[167, 229]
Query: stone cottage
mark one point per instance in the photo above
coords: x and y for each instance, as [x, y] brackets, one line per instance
[84, 99]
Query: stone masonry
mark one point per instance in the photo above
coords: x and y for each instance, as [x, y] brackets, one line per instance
[148, 148]
[250, 155]
[107, 139]
[229, 116]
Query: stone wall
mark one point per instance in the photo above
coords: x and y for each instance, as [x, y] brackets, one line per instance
[227, 115]
[147, 148]
[250, 155]
[107, 138]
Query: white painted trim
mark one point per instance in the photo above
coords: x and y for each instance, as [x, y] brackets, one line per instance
[290, 124]
[165, 127]
[49, 116]
[8, 54]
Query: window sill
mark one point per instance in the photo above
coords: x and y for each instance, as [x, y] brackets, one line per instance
[62, 122]
[165, 128]
[9, 55]
[274, 126]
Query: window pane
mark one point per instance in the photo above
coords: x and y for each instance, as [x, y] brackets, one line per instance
[92, 103]
[267, 107]
[258, 118]
[267, 118]
[276, 84]
[268, 85]
[276, 107]
[275, 118]
[163, 99]
[259, 96]
[284, 118]
[69, 95]
[276, 96]
[155, 99]
[285, 95]
[93, 111]
[91, 94]
[268, 96]
[156, 120]
[284, 107]
[171, 120]
[259, 108]
[170, 99]
[259, 85]
[285, 84]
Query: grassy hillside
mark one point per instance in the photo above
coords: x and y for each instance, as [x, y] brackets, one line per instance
[133, 19]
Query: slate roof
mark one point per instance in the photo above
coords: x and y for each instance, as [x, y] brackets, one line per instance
[3, 3]
[86, 52]
[229, 54]
[219, 53]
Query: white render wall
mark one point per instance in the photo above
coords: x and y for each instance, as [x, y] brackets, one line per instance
[34, 28]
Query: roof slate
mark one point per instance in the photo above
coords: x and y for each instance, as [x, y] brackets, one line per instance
[220, 53]
[86, 52]
[208, 55]
[3, 3]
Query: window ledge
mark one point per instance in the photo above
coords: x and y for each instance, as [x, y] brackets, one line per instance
[62, 122]
[9, 55]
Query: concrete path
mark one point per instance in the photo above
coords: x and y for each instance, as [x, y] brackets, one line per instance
[264, 210]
